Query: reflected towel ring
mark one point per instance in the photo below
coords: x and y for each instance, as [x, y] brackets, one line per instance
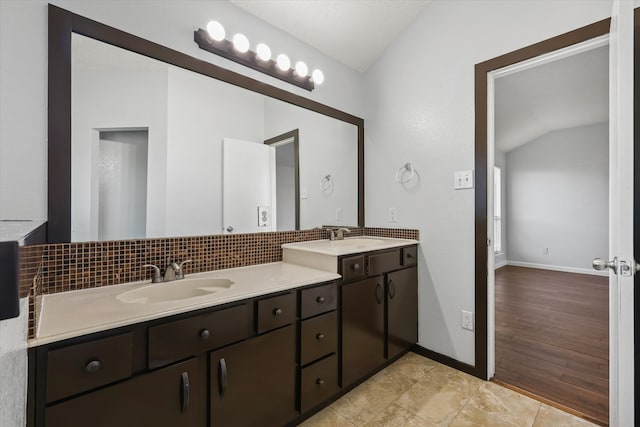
[326, 182]
[401, 171]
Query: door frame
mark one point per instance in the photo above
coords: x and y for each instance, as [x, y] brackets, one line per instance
[482, 69]
[295, 135]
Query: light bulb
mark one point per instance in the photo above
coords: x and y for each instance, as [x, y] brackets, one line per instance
[215, 30]
[241, 43]
[284, 63]
[263, 51]
[301, 69]
[317, 77]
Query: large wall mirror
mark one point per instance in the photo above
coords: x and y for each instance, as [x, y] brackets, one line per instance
[147, 142]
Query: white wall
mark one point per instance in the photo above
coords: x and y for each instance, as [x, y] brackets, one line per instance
[420, 108]
[116, 99]
[201, 112]
[557, 189]
[500, 160]
[326, 146]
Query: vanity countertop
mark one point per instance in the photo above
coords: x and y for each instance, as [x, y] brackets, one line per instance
[323, 254]
[75, 313]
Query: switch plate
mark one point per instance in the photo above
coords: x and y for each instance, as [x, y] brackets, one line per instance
[264, 216]
[545, 251]
[339, 215]
[304, 194]
[463, 179]
[393, 215]
[466, 320]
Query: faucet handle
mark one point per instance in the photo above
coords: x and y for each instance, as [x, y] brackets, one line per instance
[340, 231]
[156, 277]
[179, 272]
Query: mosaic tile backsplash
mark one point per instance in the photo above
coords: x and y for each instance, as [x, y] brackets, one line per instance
[47, 269]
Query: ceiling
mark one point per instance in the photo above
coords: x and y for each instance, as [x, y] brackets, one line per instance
[562, 94]
[353, 32]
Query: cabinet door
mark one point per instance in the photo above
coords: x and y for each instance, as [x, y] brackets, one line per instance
[362, 328]
[402, 314]
[173, 396]
[253, 382]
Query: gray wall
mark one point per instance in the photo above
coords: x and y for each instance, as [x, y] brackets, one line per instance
[557, 198]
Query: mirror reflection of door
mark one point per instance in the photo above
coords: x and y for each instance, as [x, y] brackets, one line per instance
[287, 180]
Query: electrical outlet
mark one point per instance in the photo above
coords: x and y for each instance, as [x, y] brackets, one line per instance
[339, 215]
[393, 215]
[545, 251]
[264, 214]
[466, 320]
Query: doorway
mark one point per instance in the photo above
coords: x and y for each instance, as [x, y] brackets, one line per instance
[621, 213]
[287, 179]
[551, 156]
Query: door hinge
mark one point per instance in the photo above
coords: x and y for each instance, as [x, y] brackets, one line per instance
[488, 243]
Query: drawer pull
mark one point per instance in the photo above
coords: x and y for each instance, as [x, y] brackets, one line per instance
[320, 300]
[320, 336]
[356, 267]
[277, 312]
[392, 289]
[409, 255]
[319, 381]
[222, 376]
[93, 366]
[186, 391]
[204, 334]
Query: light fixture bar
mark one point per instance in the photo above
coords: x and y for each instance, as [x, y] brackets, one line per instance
[249, 59]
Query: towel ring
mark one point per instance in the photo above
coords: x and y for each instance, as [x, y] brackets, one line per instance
[401, 171]
[326, 182]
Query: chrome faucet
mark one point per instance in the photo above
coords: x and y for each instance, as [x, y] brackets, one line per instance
[340, 233]
[174, 271]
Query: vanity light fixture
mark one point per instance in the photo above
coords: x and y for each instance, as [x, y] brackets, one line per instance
[238, 50]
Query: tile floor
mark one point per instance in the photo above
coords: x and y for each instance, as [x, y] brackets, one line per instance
[416, 391]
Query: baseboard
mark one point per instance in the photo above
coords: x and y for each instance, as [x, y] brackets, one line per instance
[446, 360]
[500, 264]
[577, 270]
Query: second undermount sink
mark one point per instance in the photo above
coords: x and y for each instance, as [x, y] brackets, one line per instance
[175, 290]
[355, 242]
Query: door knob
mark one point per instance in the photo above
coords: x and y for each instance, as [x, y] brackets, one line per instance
[600, 264]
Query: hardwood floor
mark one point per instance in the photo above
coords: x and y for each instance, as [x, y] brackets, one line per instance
[552, 337]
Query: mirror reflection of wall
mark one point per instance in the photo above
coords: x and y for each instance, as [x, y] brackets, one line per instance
[187, 115]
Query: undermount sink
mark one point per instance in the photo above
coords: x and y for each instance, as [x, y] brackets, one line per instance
[175, 290]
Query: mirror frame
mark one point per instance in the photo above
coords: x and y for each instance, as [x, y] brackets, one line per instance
[62, 24]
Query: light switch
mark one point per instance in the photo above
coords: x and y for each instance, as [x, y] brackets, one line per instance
[304, 194]
[339, 215]
[463, 179]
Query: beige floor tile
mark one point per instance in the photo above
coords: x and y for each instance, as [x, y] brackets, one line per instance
[328, 417]
[396, 416]
[413, 366]
[552, 417]
[440, 395]
[366, 401]
[499, 406]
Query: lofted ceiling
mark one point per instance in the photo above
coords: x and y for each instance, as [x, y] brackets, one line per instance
[562, 94]
[353, 32]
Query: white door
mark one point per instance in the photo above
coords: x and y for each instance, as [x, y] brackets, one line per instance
[248, 187]
[621, 264]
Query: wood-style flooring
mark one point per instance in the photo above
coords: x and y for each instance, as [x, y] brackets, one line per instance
[552, 337]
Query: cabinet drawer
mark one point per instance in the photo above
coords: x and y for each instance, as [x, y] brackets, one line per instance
[276, 312]
[82, 367]
[318, 300]
[318, 382]
[353, 268]
[188, 337]
[318, 337]
[409, 256]
[383, 262]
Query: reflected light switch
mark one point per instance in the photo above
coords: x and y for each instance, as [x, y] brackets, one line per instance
[303, 193]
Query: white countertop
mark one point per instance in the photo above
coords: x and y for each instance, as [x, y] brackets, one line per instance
[349, 245]
[75, 313]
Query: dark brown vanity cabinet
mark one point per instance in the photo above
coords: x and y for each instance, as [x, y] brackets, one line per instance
[379, 312]
[254, 382]
[172, 396]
